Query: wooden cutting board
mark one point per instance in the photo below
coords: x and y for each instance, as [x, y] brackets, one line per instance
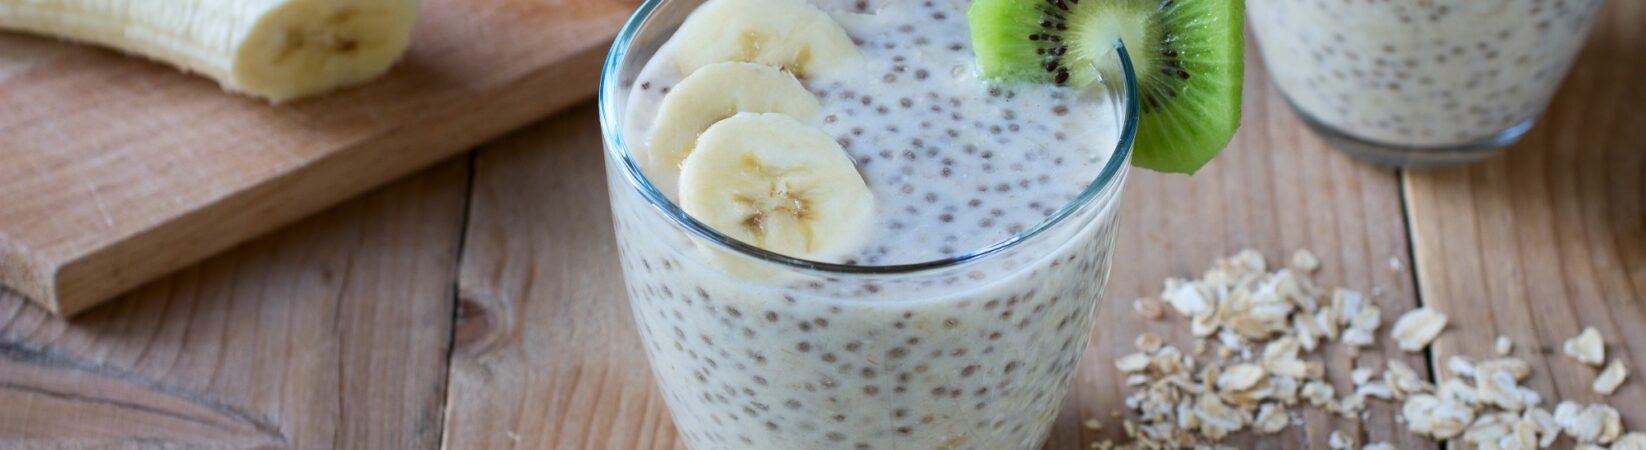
[115, 170]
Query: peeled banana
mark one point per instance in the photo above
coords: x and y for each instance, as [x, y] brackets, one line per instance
[770, 181]
[715, 92]
[274, 49]
[790, 34]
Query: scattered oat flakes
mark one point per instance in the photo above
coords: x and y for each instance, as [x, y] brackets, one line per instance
[1461, 366]
[1502, 431]
[1587, 347]
[1361, 375]
[1396, 265]
[1378, 446]
[1240, 377]
[1544, 423]
[1375, 389]
[1265, 324]
[1489, 429]
[1148, 342]
[1271, 419]
[1457, 390]
[1217, 419]
[1440, 418]
[1351, 406]
[1516, 366]
[1497, 382]
[1609, 379]
[1094, 425]
[1417, 328]
[1281, 357]
[1525, 437]
[1405, 381]
[1340, 441]
[1589, 424]
[1204, 325]
[1149, 308]
[1305, 261]
[1307, 331]
[1187, 298]
[1356, 338]
[1504, 346]
[1630, 441]
[1361, 320]
[1135, 362]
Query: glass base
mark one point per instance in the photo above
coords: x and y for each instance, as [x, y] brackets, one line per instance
[1405, 156]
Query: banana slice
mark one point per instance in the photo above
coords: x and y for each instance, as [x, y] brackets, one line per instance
[791, 34]
[775, 183]
[713, 93]
[274, 49]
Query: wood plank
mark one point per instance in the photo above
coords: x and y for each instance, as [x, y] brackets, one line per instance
[119, 170]
[1277, 188]
[1551, 237]
[548, 357]
[332, 333]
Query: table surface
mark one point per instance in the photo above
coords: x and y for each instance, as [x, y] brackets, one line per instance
[479, 303]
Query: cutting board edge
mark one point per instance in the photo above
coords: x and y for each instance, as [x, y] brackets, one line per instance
[77, 282]
[22, 272]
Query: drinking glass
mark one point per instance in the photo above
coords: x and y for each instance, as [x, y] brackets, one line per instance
[1420, 82]
[973, 351]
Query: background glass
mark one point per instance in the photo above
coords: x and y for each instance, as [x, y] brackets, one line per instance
[1420, 82]
[975, 351]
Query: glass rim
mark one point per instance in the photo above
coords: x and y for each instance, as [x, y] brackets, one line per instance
[1107, 180]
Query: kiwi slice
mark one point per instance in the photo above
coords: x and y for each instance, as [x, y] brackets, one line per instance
[1188, 56]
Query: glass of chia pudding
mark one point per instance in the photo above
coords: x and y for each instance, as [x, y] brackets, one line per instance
[917, 263]
[1420, 82]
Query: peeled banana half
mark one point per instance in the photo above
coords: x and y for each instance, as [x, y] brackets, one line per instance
[274, 49]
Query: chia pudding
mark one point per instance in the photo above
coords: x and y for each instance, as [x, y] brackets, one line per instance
[962, 355]
[1421, 73]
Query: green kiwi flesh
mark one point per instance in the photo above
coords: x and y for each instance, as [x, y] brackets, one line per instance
[1188, 56]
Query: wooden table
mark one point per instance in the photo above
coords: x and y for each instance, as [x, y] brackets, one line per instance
[478, 304]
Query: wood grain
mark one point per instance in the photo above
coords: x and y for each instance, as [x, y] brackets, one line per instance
[332, 333]
[1277, 188]
[119, 170]
[546, 355]
[1551, 237]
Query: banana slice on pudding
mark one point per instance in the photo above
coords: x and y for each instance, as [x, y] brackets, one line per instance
[711, 94]
[775, 183]
[791, 34]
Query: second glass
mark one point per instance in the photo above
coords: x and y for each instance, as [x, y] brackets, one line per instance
[1420, 82]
